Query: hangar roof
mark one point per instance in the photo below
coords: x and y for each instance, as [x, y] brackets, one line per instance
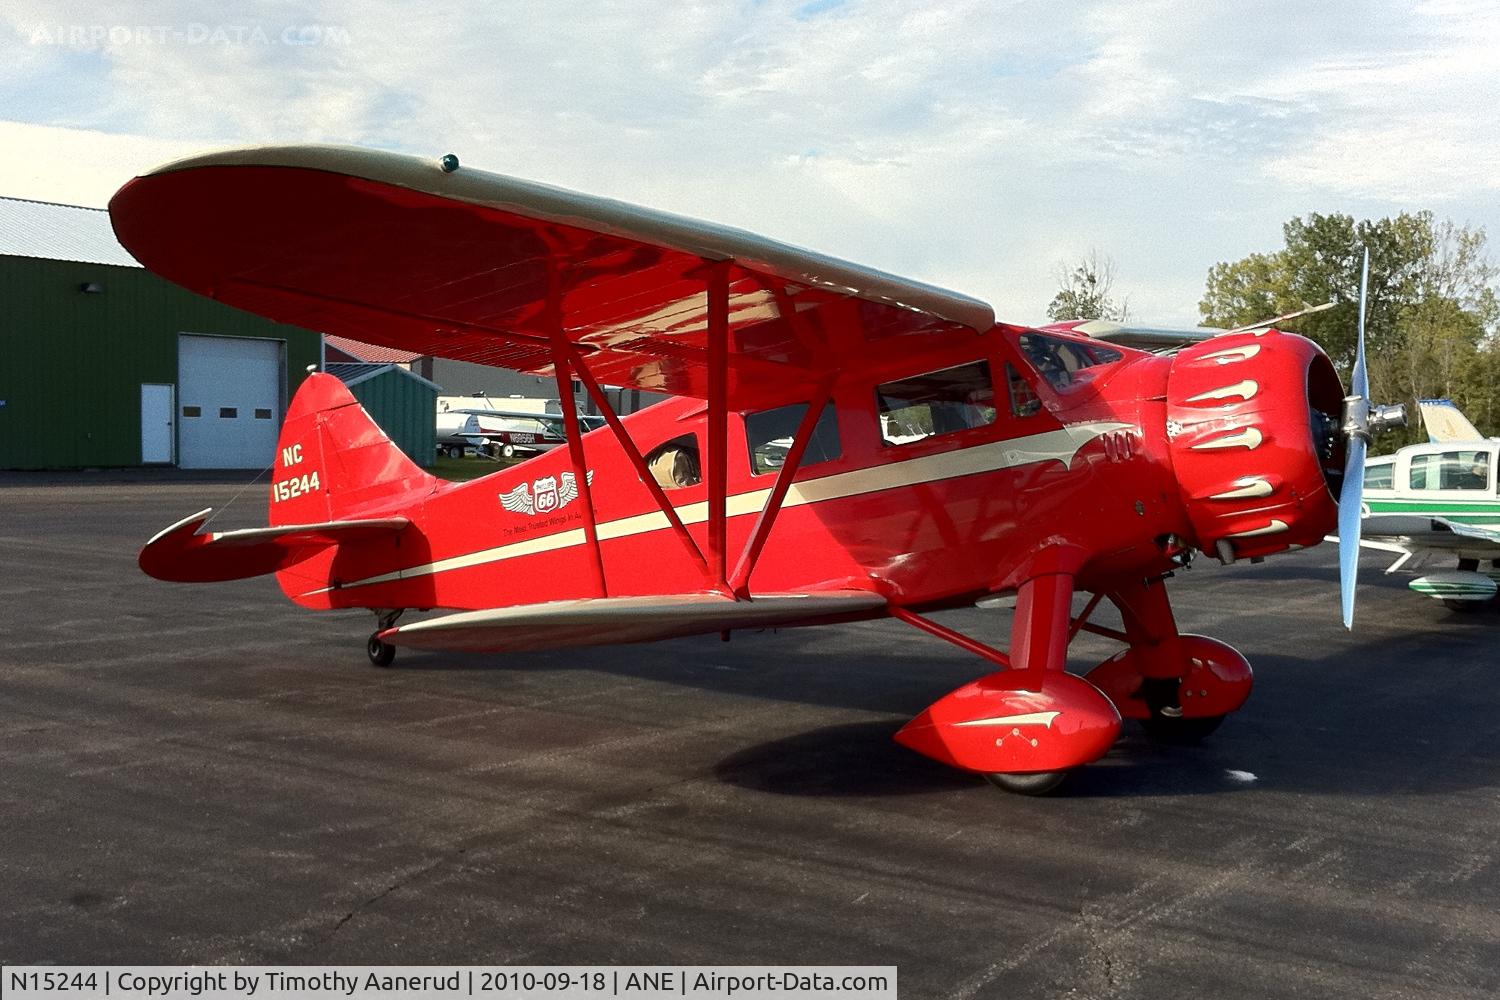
[370, 352]
[352, 374]
[59, 232]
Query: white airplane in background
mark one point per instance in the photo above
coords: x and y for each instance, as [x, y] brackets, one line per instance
[1439, 500]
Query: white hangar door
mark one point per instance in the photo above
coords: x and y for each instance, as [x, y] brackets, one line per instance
[229, 401]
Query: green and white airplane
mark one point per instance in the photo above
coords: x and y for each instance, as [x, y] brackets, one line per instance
[1439, 501]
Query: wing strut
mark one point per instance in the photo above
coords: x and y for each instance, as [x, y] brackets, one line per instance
[740, 581]
[718, 420]
[596, 393]
[958, 639]
[562, 370]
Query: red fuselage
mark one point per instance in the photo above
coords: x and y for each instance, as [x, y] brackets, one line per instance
[1129, 460]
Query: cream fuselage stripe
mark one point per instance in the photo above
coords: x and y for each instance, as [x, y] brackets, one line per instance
[1059, 445]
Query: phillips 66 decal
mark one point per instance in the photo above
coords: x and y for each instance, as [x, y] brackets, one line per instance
[544, 495]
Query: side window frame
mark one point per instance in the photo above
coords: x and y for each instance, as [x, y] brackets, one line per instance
[825, 431]
[1027, 402]
[1059, 377]
[987, 362]
[665, 469]
[1450, 472]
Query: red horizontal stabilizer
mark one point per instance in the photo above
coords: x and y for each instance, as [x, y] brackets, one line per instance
[181, 555]
[604, 621]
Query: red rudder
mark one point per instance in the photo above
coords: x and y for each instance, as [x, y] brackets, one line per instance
[333, 462]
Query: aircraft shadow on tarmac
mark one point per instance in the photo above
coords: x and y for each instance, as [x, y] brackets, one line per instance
[1391, 715]
[861, 759]
[1339, 757]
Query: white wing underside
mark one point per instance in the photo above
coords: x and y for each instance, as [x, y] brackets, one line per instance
[609, 620]
[1416, 538]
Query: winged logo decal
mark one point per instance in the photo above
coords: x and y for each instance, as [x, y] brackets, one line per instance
[544, 495]
[518, 500]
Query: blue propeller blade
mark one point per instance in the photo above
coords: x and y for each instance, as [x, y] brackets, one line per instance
[1351, 502]
[1351, 494]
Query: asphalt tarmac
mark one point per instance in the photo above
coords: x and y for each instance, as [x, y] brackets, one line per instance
[210, 775]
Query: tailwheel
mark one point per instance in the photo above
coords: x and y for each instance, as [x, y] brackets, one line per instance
[1179, 731]
[382, 654]
[1033, 783]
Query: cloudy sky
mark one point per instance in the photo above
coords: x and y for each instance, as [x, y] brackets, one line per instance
[974, 144]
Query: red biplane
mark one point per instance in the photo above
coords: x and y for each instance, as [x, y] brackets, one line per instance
[845, 444]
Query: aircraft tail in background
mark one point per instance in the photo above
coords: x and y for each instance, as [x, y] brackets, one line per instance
[1446, 422]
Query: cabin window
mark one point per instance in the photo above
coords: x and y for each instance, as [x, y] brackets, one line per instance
[1451, 470]
[940, 402]
[1380, 477]
[675, 464]
[1060, 361]
[769, 434]
[1024, 401]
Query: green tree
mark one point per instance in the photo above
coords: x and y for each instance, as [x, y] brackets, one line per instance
[1086, 290]
[1431, 317]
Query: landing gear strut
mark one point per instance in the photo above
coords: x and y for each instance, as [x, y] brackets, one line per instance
[1030, 724]
[1027, 726]
[382, 654]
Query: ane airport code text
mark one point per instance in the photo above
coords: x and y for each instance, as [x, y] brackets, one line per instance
[478, 982]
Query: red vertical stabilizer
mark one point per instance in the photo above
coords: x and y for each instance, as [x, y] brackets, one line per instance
[333, 462]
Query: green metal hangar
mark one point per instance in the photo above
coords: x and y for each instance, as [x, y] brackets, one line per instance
[107, 365]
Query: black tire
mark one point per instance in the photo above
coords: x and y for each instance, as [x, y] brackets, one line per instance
[1180, 732]
[382, 654]
[1035, 783]
[455, 451]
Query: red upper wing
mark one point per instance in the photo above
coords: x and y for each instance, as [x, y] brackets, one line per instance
[389, 249]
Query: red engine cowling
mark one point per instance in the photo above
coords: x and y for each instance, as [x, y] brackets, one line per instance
[1252, 424]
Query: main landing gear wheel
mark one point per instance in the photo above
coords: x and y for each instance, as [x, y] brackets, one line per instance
[1178, 731]
[1034, 783]
[381, 653]
[507, 451]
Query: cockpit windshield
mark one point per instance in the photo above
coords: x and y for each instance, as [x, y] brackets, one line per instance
[1059, 360]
